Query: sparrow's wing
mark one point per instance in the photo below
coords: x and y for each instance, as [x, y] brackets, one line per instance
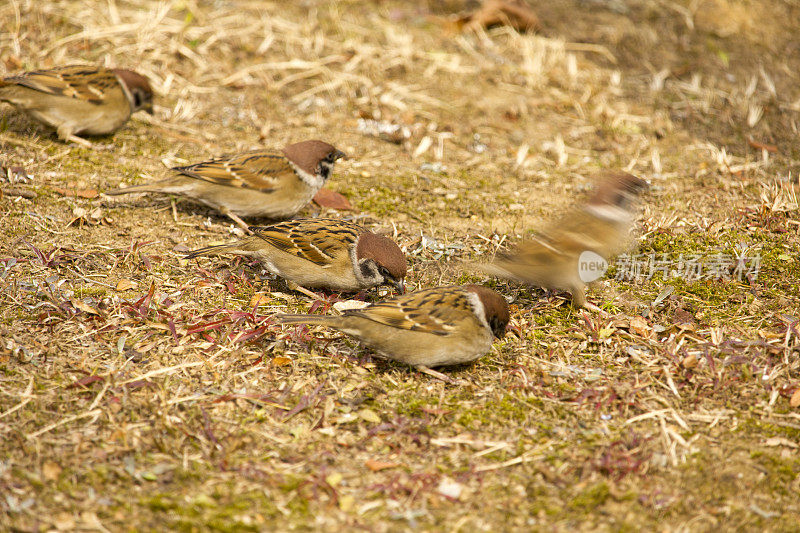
[262, 170]
[81, 82]
[573, 234]
[320, 240]
[437, 311]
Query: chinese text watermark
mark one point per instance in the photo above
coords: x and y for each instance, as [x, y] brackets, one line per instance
[692, 267]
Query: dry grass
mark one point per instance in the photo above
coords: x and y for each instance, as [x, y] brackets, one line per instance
[139, 391]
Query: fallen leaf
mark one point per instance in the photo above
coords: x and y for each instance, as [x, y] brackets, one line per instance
[334, 478]
[64, 521]
[370, 416]
[83, 306]
[281, 361]
[90, 520]
[346, 502]
[81, 193]
[349, 304]
[639, 326]
[435, 411]
[125, 284]
[331, 199]
[515, 13]
[450, 488]
[690, 361]
[377, 466]
[51, 470]
[762, 146]
[780, 441]
[258, 299]
[85, 381]
[795, 401]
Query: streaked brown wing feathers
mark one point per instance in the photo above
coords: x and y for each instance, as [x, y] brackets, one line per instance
[260, 170]
[84, 83]
[319, 241]
[436, 311]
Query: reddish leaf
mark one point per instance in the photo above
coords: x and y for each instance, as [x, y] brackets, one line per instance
[85, 381]
[334, 200]
[81, 193]
[377, 466]
[434, 411]
[795, 401]
[514, 13]
[762, 146]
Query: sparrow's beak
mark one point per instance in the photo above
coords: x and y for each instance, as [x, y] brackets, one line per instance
[398, 285]
[338, 154]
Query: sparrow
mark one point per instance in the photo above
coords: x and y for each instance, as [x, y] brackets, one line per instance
[424, 329]
[79, 99]
[261, 183]
[553, 259]
[323, 253]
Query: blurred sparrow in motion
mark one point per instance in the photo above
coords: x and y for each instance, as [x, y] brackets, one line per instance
[564, 255]
[262, 183]
[79, 99]
[325, 253]
[427, 328]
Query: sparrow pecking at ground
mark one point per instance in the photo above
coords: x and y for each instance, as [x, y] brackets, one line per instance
[323, 253]
[424, 329]
[79, 99]
[601, 226]
[261, 183]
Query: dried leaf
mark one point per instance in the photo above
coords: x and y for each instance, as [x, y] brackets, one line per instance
[780, 441]
[333, 200]
[795, 401]
[349, 304]
[450, 488]
[51, 470]
[346, 502]
[762, 146]
[514, 13]
[258, 298]
[83, 306]
[690, 361]
[639, 326]
[80, 193]
[370, 416]
[377, 466]
[334, 478]
[125, 284]
[281, 361]
[64, 521]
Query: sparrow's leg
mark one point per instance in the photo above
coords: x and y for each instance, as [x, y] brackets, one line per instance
[578, 297]
[241, 223]
[579, 300]
[594, 309]
[295, 287]
[64, 133]
[438, 375]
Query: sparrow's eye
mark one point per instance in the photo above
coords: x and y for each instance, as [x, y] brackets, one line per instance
[385, 273]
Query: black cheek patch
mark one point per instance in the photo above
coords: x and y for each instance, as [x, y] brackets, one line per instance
[366, 269]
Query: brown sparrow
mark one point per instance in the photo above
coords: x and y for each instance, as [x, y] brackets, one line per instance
[597, 230]
[324, 253]
[79, 99]
[262, 183]
[427, 328]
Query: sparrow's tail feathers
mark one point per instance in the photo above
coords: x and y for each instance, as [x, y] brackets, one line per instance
[211, 250]
[320, 320]
[491, 269]
[163, 186]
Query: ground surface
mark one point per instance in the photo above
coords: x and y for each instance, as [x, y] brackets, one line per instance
[141, 391]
